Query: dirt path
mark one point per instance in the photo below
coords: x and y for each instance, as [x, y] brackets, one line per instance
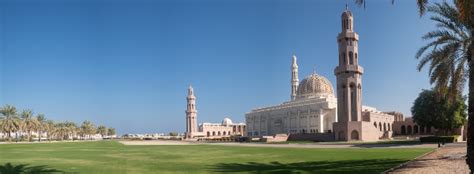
[446, 160]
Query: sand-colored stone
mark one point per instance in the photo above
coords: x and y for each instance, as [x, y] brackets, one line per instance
[450, 159]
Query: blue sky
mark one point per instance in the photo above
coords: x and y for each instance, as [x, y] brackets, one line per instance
[128, 64]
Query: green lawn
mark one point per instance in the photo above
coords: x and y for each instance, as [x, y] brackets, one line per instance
[113, 157]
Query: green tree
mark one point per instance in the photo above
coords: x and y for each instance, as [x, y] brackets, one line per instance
[49, 127]
[71, 129]
[111, 131]
[447, 50]
[28, 122]
[87, 129]
[102, 130]
[41, 125]
[434, 109]
[10, 121]
[466, 14]
[173, 133]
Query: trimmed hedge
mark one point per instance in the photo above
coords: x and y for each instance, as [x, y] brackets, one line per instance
[441, 139]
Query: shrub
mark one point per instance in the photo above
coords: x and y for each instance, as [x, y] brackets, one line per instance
[436, 139]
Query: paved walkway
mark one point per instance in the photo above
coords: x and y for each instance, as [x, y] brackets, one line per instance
[446, 160]
[303, 145]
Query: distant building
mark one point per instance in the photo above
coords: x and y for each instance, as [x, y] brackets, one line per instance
[210, 130]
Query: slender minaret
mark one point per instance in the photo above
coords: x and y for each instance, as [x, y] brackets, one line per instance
[294, 78]
[191, 114]
[348, 73]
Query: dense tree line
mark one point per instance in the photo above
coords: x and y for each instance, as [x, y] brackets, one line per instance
[14, 124]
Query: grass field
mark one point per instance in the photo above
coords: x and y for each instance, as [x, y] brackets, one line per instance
[113, 157]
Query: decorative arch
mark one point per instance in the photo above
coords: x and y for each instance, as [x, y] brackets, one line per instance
[341, 136]
[351, 58]
[354, 135]
[409, 130]
[353, 98]
[403, 130]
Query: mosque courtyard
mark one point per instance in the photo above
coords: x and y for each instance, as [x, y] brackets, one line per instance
[136, 157]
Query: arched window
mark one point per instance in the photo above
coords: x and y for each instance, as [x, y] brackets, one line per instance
[380, 126]
[415, 129]
[224, 133]
[219, 133]
[208, 134]
[351, 58]
[213, 133]
[228, 133]
[344, 57]
[353, 102]
[384, 127]
[388, 126]
[375, 124]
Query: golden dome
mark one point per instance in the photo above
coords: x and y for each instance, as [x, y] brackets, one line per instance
[314, 85]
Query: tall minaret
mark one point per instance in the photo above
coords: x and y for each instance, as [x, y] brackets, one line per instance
[191, 114]
[294, 78]
[348, 73]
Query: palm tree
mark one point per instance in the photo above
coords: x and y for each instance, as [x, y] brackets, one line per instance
[10, 122]
[50, 129]
[71, 129]
[447, 50]
[41, 125]
[29, 123]
[102, 130]
[110, 131]
[87, 128]
[466, 14]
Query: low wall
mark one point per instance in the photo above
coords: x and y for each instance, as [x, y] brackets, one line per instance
[311, 137]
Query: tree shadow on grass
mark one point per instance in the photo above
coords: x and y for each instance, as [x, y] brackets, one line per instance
[9, 168]
[331, 167]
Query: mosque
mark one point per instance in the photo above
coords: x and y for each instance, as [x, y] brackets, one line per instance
[314, 110]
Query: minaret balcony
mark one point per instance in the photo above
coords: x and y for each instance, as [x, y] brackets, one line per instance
[343, 35]
[349, 68]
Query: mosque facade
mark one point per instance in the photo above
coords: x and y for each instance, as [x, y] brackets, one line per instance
[313, 107]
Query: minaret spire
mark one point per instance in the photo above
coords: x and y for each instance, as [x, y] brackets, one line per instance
[349, 76]
[294, 78]
[191, 113]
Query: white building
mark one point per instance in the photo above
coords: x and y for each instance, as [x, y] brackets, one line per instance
[209, 130]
